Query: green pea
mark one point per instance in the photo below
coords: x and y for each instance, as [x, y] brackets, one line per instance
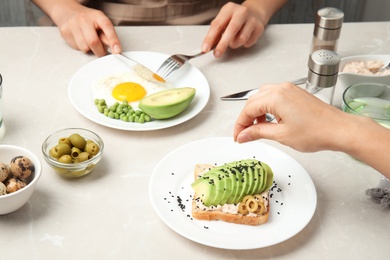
[148, 118]
[78, 141]
[66, 158]
[92, 148]
[84, 156]
[111, 114]
[102, 102]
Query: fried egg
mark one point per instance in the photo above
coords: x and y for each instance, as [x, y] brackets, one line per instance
[131, 86]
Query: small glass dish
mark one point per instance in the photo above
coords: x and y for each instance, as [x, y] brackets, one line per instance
[368, 99]
[72, 170]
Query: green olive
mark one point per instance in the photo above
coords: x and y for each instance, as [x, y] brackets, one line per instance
[65, 140]
[78, 141]
[75, 152]
[62, 149]
[252, 205]
[92, 148]
[53, 153]
[66, 158]
[84, 156]
[242, 208]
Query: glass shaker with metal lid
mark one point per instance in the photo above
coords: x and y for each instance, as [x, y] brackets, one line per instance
[322, 75]
[327, 29]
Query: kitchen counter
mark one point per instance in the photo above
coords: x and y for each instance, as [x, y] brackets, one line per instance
[108, 215]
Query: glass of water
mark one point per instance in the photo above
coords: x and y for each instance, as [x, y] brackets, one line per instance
[369, 99]
[372, 100]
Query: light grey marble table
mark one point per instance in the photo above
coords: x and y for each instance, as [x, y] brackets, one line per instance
[108, 214]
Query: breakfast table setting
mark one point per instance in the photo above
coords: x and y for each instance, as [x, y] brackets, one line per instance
[135, 203]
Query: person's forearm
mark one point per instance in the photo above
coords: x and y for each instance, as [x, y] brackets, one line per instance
[56, 9]
[368, 142]
[265, 8]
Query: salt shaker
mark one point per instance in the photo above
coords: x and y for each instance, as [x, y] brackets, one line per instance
[2, 128]
[322, 74]
[327, 29]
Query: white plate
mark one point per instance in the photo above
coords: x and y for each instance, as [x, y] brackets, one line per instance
[81, 96]
[293, 202]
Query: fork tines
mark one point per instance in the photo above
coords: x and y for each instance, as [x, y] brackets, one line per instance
[168, 67]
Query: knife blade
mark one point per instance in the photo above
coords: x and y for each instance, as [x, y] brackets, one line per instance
[243, 95]
[141, 70]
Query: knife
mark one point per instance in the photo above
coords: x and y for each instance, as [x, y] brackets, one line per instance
[243, 95]
[140, 72]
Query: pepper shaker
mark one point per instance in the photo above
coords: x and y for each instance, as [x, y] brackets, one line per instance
[322, 74]
[327, 29]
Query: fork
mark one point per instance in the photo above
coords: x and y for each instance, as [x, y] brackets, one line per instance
[174, 62]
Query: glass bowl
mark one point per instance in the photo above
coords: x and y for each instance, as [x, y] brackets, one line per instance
[77, 169]
[368, 99]
[13, 201]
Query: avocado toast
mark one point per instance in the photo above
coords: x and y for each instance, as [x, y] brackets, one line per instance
[236, 192]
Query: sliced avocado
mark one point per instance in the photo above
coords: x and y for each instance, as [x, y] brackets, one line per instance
[270, 176]
[236, 185]
[263, 179]
[245, 183]
[258, 179]
[219, 185]
[253, 180]
[227, 187]
[167, 103]
[205, 190]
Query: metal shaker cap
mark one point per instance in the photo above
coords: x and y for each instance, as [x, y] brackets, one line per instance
[330, 18]
[323, 68]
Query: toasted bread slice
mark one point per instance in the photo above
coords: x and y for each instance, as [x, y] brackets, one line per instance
[215, 213]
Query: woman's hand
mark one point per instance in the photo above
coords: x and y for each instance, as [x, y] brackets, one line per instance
[304, 122]
[87, 30]
[235, 26]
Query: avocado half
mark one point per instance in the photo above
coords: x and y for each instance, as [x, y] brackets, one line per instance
[167, 103]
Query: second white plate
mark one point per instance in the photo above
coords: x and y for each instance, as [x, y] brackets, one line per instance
[293, 198]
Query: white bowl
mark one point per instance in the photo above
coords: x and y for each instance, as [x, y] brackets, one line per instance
[15, 200]
[346, 79]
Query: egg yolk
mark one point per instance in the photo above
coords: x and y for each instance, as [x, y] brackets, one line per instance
[158, 78]
[129, 91]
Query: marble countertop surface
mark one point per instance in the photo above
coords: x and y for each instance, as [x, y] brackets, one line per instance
[108, 215]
